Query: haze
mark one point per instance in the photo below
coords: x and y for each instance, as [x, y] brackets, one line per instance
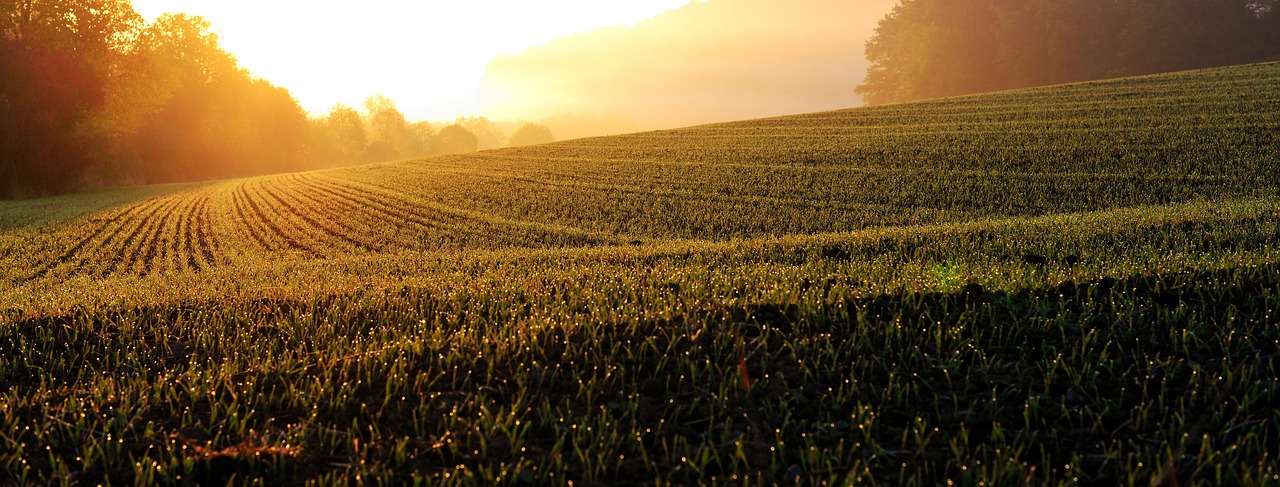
[706, 62]
[583, 67]
[428, 56]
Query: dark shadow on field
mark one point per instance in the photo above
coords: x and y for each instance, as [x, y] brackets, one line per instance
[1176, 369]
[1150, 340]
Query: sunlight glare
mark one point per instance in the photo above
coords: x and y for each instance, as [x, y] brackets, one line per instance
[428, 56]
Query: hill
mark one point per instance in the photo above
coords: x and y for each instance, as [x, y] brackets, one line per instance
[1072, 283]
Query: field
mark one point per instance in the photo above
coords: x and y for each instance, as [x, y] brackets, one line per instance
[1072, 284]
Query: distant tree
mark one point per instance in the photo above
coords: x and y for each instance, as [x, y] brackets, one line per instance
[388, 125]
[379, 151]
[488, 134]
[271, 129]
[935, 48]
[204, 116]
[344, 135]
[531, 134]
[454, 139]
[420, 137]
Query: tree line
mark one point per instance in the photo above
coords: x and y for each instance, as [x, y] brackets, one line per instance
[382, 133]
[93, 95]
[935, 48]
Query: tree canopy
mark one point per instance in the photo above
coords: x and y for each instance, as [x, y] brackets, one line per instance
[90, 94]
[936, 48]
[454, 139]
[531, 134]
[93, 95]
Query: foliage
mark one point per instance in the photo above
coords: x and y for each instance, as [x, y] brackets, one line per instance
[1078, 284]
[531, 134]
[91, 95]
[488, 134]
[935, 48]
[382, 133]
[454, 139]
[388, 127]
[339, 137]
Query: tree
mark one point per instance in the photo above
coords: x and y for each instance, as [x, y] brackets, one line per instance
[89, 93]
[488, 134]
[342, 138]
[420, 136]
[182, 50]
[531, 134]
[200, 115]
[454, 139]
[56, 58]
[387, 129]
[42, 148]
[935, 48]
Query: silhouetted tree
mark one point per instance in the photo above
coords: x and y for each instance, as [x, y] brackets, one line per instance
[420, 137]
[488, 134]
[205, 117]
[341, 137]
[934, 48]
[388, 125]
[55, 61]
[88, 91]
[531, 134]
[454, 139]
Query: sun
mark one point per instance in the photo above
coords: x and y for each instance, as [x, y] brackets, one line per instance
[428, 56]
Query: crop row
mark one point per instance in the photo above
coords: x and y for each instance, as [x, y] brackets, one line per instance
[999, 351]
[289, 216]
[1145, 141]
[160, 234]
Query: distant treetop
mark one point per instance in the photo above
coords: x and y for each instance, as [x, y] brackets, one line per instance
[935, 48]
[531, 134]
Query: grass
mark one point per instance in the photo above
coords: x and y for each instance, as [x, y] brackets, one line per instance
[1069, 285]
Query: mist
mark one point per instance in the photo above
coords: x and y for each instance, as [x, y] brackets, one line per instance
[706, 62]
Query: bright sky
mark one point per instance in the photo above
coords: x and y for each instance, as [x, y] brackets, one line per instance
[429, 56]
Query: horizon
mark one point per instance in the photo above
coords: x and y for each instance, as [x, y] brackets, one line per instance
[404, 55]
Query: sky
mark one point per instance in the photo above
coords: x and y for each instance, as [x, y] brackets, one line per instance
[428, 56]
[713, 61]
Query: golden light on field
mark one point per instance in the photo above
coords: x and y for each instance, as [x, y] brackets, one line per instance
[429, 56]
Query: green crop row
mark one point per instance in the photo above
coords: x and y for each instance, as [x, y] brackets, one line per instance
[1069, 285]
[1087, 348]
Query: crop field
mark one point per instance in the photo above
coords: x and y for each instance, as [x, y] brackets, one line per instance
[1076, 284]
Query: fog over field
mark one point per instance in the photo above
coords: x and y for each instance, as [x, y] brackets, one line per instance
[705, 62]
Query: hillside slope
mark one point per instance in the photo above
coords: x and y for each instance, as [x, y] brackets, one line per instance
[1086, 147]
[1068, 284]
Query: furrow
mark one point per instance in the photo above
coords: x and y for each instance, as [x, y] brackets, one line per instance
[353, 225]
[486, 230]
[377, 213]
[369, 202]
[450, 230]
[185, 256]
[139, 261]
[316, 228]
[451, 227]
[137, 225]
[204, 236]
[237, 200]
[165, 251]
[271, 224]
[114, 221]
